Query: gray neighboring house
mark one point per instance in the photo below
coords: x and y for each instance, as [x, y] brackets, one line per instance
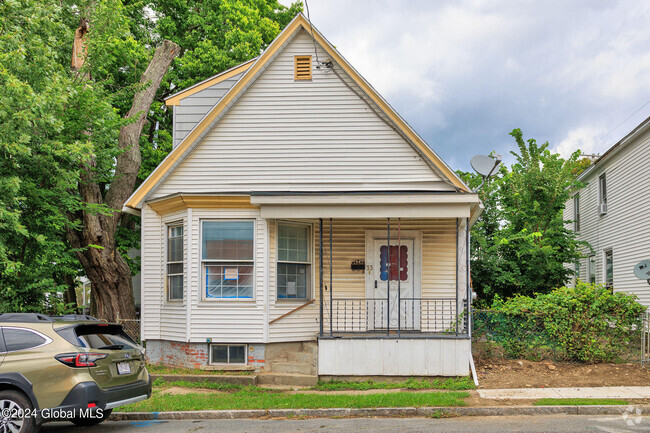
[612, 213]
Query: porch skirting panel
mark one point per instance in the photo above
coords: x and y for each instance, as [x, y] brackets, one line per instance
[394, 357]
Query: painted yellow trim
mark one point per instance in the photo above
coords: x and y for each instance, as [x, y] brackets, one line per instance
[180, 202]
[300, 20]
[176, 99]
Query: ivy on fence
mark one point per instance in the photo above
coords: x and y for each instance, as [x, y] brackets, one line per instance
[586, 323]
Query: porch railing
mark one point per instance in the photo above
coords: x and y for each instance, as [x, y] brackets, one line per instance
[381, 316]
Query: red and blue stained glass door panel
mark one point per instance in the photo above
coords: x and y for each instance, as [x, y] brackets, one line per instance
[393, 301]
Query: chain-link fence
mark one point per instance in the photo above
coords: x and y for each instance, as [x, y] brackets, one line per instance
[496, 334]
[132, 328]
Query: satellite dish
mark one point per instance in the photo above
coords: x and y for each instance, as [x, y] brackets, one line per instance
[483, 165]
[642, 270]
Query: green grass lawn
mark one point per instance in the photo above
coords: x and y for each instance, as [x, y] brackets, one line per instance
[454, 383]
[255, 398]
[578, 402]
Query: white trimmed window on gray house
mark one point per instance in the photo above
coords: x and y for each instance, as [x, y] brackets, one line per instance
[228, 258]
[602, 194]
[175, 262]
[591, 269]
[609, 268]
[294, 261]
[576, 213]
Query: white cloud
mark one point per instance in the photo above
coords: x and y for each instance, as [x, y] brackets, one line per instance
[583, 138]
[464, 73]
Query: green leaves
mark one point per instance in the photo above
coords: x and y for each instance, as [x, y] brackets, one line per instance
[521, 243]
[586, 323]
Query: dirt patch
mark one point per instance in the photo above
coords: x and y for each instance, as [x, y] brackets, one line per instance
[177, 390]
[546, 374]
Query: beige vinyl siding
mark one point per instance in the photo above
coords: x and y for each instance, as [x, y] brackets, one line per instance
[191, 109]
[438, 268]
[227, 321]
[626, 227]
[287, 135]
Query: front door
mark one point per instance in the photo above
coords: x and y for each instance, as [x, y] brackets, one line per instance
[393, 300]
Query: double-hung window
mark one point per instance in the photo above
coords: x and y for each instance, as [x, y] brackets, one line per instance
[602, 194]
[175, 259]
[576, 213]
[294, 261]
[228, 259]
[591, 269]
[609, 268]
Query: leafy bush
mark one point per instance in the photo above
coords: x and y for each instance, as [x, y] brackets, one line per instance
[586, 323]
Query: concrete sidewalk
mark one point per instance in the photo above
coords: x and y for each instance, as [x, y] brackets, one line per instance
[625, 392]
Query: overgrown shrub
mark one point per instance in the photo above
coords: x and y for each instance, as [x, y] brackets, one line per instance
[586, 323]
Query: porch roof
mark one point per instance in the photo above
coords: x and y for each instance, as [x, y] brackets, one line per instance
[376, 205]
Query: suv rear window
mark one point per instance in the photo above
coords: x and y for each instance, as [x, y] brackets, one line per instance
[21, 339]
[110, 337]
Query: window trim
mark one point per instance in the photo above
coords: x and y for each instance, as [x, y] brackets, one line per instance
[228, 345]
[203, 262]
[48, 340]
[169, 226]
[576, 213]
[607, 251]
[309, 293]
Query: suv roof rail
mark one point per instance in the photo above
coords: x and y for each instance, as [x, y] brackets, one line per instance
[24, 318]
[75, 317]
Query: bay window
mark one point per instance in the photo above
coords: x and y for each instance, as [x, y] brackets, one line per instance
[175, 261]
[294, 261]
[228, 259]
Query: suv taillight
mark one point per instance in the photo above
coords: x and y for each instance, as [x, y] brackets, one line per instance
[80, 359]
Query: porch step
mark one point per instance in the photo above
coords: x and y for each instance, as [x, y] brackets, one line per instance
[293, 367]
[291, 379]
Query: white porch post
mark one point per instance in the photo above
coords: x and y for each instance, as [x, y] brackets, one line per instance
[462, 262]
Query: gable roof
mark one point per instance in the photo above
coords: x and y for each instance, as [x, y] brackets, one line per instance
[619, 146]
[176, 98]
[252, 71]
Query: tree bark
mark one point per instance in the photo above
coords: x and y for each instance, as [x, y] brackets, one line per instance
[112, 289]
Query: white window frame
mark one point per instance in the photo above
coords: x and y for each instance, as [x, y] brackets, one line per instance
[169, 227]
[310, 260]
[591, 268]
[602, 194]
[609, 251]
[576, 213]
[212, 362]
[204, 262]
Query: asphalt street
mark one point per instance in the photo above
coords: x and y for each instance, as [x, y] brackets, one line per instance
[562, 423]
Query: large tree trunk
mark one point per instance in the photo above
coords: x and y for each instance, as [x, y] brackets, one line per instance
[105, 268]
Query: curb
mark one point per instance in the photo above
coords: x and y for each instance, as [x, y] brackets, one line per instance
[378, 412]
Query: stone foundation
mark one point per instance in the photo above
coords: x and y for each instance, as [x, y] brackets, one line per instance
[261, 357]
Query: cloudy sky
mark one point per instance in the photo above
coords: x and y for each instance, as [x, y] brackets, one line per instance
[464, 73]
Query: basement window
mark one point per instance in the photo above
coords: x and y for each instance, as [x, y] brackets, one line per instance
[302, 68]
[228, 354]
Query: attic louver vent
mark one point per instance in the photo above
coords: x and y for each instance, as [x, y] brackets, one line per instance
[302, 67]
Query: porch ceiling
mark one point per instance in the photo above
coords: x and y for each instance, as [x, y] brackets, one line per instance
[366, 205]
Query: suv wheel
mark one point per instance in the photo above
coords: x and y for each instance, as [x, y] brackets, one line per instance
[87, 422]
[14, 406]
